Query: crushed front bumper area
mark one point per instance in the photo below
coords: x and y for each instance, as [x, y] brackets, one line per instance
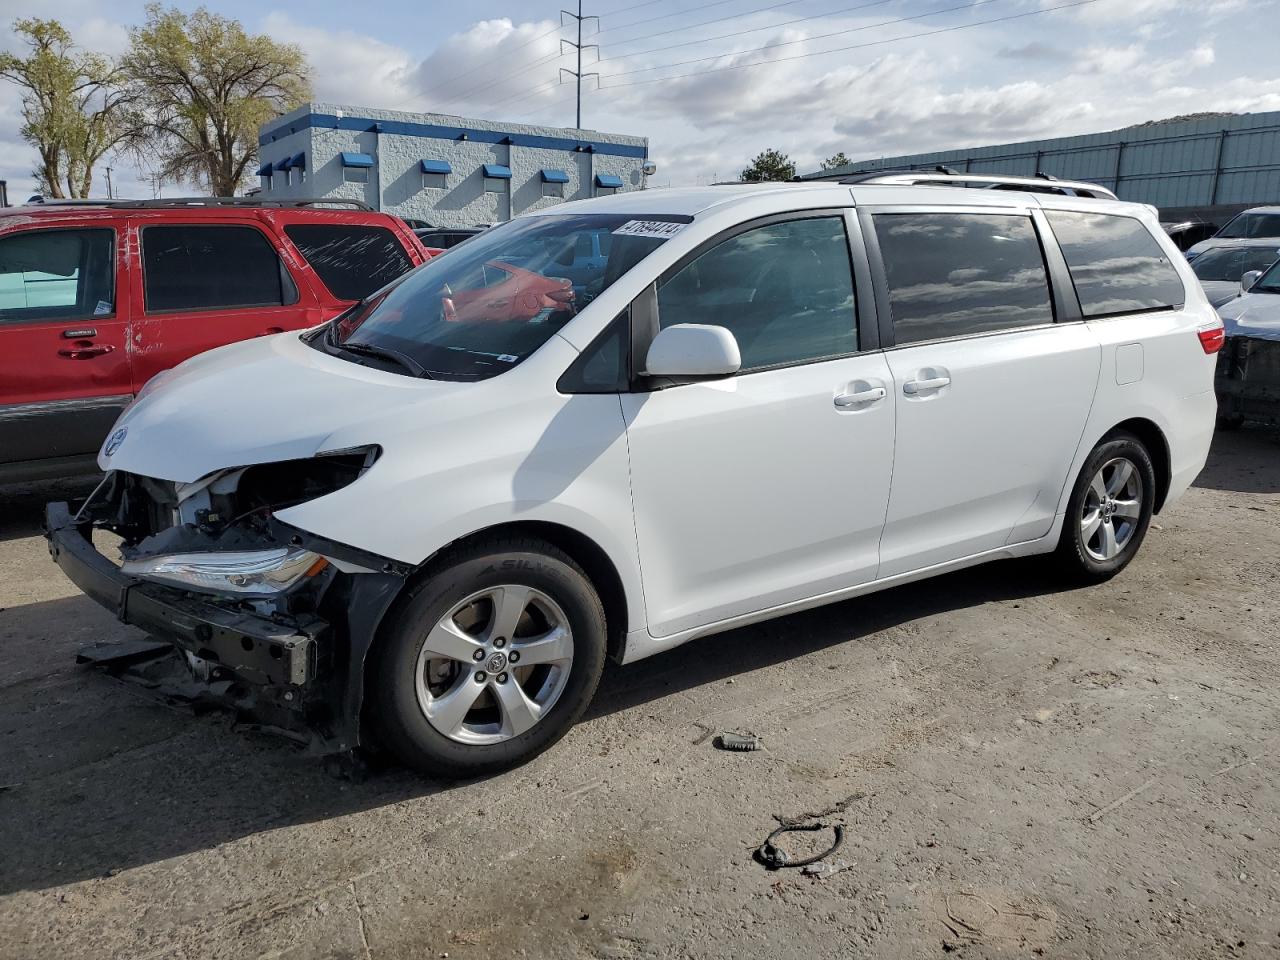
[259, 649]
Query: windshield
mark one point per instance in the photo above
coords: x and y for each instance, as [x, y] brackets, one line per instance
[486, 305]
[1269, 282]
[1231, 263]
[1253, 225]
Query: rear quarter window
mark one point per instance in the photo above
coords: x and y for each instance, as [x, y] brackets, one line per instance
[351, 261]
[1116, 264]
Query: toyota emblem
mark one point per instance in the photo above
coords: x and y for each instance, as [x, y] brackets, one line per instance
[113, 443]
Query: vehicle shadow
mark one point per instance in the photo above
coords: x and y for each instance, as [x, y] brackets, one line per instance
[22, 504]
[100, 778]
[1244, 461]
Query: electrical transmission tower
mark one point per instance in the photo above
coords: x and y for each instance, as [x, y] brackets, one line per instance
[579, 46]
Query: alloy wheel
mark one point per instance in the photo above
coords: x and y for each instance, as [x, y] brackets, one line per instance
[493, 666]
[1112, 509]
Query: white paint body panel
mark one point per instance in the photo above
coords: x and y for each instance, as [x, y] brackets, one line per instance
[758, 490]
[718, 503]
[983, 459]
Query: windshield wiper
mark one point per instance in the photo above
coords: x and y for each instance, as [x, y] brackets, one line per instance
[385, 353]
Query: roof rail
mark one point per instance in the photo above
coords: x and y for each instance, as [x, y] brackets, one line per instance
[211, 202]
[1042, 183]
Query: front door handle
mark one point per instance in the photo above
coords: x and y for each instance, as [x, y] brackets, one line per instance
[913, 387]
[84, 353]
[861, 396]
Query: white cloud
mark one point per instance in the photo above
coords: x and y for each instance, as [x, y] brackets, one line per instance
[346, 66]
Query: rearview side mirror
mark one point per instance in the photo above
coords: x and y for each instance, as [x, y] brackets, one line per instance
[693, 350]
[1249, 279]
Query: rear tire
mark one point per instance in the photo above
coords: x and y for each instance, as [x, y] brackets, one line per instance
[1109, 511]
[489, 660]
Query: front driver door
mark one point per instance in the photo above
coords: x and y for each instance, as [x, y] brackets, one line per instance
[769, 486]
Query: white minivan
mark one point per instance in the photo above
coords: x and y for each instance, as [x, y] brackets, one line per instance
[427, 524]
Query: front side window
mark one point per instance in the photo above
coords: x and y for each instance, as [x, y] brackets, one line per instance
[57, 274]
[351, 261]
[1269, 282]
[208, 267]
[959, 274]
[1249, 225]
[784, 290]
[1115, 263]
[492, 301]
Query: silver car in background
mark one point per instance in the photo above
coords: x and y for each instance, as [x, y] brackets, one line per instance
[1221, 269]
[1256, 223]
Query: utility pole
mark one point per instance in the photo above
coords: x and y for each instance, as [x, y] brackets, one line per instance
[109, 197]
[578, 74]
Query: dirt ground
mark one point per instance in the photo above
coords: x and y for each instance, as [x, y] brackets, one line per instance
[1020, 771]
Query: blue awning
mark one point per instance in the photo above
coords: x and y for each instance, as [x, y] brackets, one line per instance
[265, 169]
[497, 171]
[608, 180]
[554, 176]
[436, 166]
[356, 159]
[282, 164]
[298, 161]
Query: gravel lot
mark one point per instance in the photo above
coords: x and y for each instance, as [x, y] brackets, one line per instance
[1021, 771]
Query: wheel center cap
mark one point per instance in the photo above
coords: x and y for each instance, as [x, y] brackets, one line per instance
[1108, 508]
[497, 662]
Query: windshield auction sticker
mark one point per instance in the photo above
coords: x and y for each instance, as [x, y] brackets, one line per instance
[649, 228]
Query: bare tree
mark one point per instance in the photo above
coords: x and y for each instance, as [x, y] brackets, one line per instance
[74, 107]
[204, 87]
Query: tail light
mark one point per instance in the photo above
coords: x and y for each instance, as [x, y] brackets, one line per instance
[1211, 338]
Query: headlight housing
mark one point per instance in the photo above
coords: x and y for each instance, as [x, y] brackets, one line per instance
[233, 571]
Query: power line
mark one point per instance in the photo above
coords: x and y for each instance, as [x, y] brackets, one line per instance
[856, 46]
[479, 66]
[666, 16]
[821, 36]
[704, 23]
[739, 33]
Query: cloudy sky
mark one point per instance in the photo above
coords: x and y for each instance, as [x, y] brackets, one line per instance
[713, 82]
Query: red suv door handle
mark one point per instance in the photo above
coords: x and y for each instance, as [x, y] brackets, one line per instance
[85, 353]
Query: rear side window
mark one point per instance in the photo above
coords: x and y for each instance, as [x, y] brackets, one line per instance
[958, 274]
[784, 290]
[1116, 265]
[351, 261]
[211, 267]
[57, 274]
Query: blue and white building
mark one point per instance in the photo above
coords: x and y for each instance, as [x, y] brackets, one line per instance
[448, 171]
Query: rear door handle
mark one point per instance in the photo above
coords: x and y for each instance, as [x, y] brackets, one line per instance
[861, 396]
[84, 353]
[913, 387]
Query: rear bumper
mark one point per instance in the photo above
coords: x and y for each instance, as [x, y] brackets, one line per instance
[257, 649]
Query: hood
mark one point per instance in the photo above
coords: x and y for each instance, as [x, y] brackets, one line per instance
[1220, 291]
[257, 401]
[1198, 248]
[1255, 315]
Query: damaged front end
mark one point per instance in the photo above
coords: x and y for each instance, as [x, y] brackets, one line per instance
[266, 618]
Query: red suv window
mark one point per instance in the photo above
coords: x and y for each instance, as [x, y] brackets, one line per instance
[211, 267]
[351, 261]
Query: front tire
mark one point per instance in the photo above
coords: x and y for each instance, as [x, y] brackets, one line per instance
[1109, 511]
[489, 660]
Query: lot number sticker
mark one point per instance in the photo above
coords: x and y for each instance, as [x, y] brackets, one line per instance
[649, 228]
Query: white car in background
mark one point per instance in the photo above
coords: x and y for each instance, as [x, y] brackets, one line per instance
[1221, 269]
[431, 533]
[1256, 223]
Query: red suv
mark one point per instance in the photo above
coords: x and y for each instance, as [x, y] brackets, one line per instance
[96, 298]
